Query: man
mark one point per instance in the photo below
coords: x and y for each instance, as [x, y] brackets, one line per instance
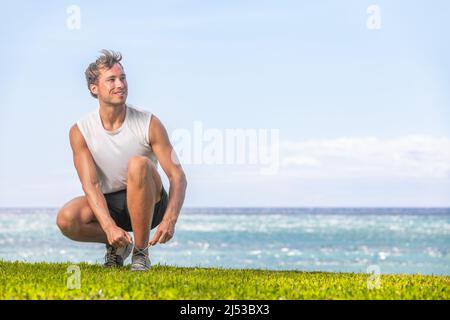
[116, 150]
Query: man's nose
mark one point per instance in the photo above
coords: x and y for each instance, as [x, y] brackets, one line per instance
[120, 83]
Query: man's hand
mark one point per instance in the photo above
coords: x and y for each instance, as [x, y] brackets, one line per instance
[117, 237]
[164, 232]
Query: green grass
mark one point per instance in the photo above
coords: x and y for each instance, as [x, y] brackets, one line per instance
[19, 280]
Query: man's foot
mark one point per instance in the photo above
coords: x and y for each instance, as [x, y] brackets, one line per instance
[115, 257]
[140, 260]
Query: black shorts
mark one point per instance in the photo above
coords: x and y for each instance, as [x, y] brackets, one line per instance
[118, 209]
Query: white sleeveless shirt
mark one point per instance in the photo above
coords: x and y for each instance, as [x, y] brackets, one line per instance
[112, 150]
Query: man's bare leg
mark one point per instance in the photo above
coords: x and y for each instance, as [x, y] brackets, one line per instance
[143, 191]
[77, 222]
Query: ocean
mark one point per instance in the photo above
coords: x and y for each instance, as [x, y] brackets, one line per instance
[393, 240]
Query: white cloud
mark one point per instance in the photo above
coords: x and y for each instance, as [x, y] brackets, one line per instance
[413, 156]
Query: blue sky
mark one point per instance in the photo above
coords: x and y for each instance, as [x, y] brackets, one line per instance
[363, 115]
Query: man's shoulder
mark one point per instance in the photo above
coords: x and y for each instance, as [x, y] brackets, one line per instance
[140, 116]
[87, 117]
[138, 110]
[86, 121]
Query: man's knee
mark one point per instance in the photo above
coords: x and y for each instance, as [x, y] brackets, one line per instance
[139, 169]
[68, 226]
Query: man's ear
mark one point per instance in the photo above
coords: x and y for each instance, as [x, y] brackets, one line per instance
[94, 89]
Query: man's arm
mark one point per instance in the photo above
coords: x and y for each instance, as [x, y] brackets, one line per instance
[169, 162]
[85, 166]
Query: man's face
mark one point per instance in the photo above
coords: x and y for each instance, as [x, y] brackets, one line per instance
[111, 86]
